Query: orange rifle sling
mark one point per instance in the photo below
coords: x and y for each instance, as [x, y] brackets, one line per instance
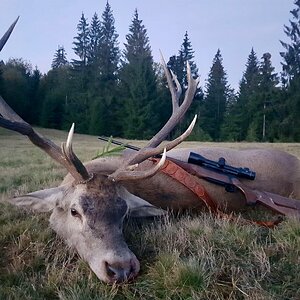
[176, 172]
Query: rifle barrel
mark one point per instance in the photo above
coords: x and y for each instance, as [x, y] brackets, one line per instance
[103, 138]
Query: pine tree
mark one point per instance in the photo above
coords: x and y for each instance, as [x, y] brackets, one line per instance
[78, 106]
[269, 100]
[60, 58]
[109, 45]
[178, 63]
[216, 98]
[138, 84]
[105, 98]
[291, 77]
[291, 56]
[262, 103]
[94, 39]
[82, 43]
[186, 53]
[137, 47]
[243, 110]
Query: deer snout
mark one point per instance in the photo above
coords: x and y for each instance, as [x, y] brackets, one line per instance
[120, 272]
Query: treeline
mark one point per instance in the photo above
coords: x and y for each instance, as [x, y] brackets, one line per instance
[124, 93]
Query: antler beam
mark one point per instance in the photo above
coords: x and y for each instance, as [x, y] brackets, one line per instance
[7, 34]
[65, 156]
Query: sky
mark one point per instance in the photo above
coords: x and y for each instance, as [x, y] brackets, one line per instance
[234, 26]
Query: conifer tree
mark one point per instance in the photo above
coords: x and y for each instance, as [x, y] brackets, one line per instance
[94, 39]
[260, 106]
[216, 98]
[138, 84]
[104, 72]
[82, 43]
[270, 114]
[77, 109]
[291, 55]
[243, 111]
[60, 58]
[178, 63]
[109, 45]
[291, 77]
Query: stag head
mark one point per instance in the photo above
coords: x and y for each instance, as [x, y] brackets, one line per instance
[88, 209]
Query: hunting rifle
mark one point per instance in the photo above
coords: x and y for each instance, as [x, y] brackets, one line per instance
[227, 176]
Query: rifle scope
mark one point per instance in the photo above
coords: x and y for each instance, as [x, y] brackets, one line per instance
[220, 166]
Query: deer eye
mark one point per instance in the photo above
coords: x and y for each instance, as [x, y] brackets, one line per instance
[75, 213]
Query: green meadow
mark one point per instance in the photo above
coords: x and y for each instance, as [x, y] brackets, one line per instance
[186, 257]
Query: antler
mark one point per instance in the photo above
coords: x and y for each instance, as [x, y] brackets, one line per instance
[7, 34]
[64, 155]
[126, 170]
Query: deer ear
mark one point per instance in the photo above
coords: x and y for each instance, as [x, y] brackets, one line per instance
[138, 207]
[41, 201]
[145, 211]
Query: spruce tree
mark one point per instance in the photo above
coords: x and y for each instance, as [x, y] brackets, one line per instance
[138, 84]
[216, 98]
[82, 43]
[178, 64]
[260, 107]
[109, 45]
[77, 109]
[60, 58]
[291, 77]
[291, 55]
[269, 101]
[94, 39]
[104, 72]
[244, 109]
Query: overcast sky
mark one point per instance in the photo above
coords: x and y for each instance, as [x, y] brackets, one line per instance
[234, 26]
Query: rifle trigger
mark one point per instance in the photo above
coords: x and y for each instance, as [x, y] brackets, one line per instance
[230, 188]
[222, 162]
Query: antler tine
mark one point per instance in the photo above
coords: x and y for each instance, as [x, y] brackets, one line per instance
[170, 78]
[78, 169]
[178, 90]
[192, 84]
[7, 34]
[131, 174]
[146, 152]
[65, 156]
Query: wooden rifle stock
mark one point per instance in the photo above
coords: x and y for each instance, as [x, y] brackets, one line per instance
[277, 203]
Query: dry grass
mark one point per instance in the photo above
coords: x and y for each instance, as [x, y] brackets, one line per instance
[191, 257]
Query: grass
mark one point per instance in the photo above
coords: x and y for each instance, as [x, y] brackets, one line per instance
[191, 257]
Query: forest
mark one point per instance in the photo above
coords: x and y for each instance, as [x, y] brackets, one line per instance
[123, 93]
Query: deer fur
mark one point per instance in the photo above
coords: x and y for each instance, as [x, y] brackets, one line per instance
[276, 171]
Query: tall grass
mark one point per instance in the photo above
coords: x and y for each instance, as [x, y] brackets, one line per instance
[187, 257]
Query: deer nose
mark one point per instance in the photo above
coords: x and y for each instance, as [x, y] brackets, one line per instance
[122, 272]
